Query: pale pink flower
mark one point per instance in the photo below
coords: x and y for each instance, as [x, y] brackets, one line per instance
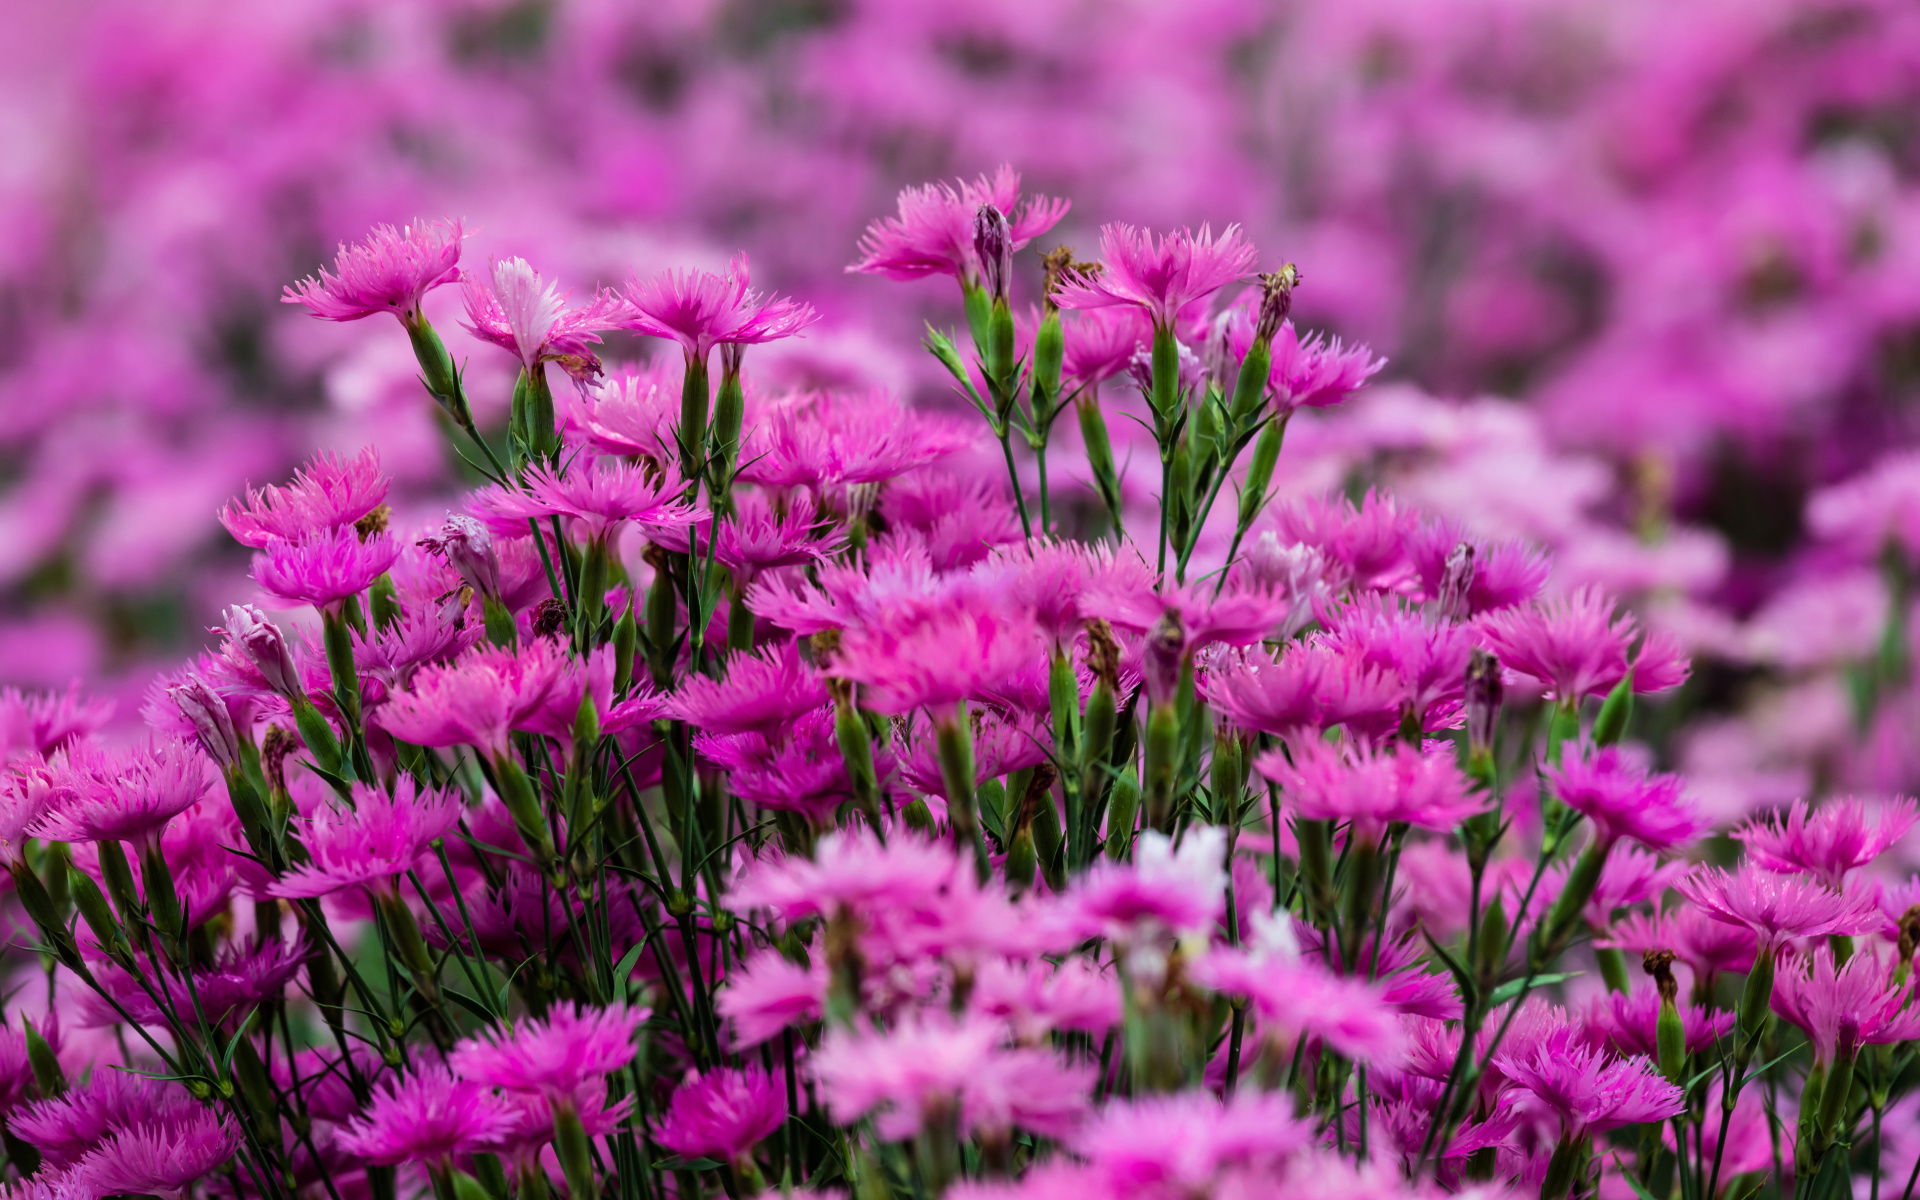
[768, 994]
[1843, 1006]
[127, 796]
[1184, 1144]
[1372, 789]
[1163, 891]
[530, 319]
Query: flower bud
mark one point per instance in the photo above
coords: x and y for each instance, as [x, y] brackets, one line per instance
[1484, 695]
[1456, 580]
[467, 546]
[1166, 649]
[1276, 301]
[265, 647]
[993, 243]
[212, 723]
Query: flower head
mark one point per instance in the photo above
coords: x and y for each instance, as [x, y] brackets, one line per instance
[933, 234]
[327, 493]
[599, 499]
[1183, 1144]
[1576, 645]
[768, 994]
[391, 271]
[1590, 1090]
[427, 1116]
[849, 869]
[1777, 907]
[831, 440]
[1843, 1006]
[1365, 546]
[934, 650]
[554, 1056]
[634, 410]
[701, 310]
[477, 699]
[325, 567]
[722, 1115]
[1372, 790]
[799, 768]
[761, 693]
[157, 1158]
[123, 796]
[1316, 371]
[1102, 342]
[1624, 801]
[1164, 890]
[1830, 842]
[531, 321]
[468, 548]
[1159, 276]
[1625, 1022]
[67, 1127]
[371, 844]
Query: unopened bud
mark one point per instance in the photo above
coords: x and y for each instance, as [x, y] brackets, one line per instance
[1485, 693]
[1276, 301]
[265, 647]
[1103, 653]
[467, 546]
[1456, 582]
[1166, 648]
[993, 243]
[212, 723]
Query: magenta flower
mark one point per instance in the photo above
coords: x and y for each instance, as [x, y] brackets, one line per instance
[634, 411]
[100, 795]
[1624, 801]
[67, 1127]
[935, 650]
[324, 568]
[1491, 575]
[467, 546]
[1778, 907]
[1578, 646]
[391, 271]
[1707, 945]
[428, 1116]
[1102, 342]
[1316, 371]
[1591, 1091]
[933, 233]
[1164, 891]
[599, 499]
[1293, 996]
[798, 768]
[1835, 839]
[241, 978]
[831, 440]
[1425, 660]
[1037, 998]
[760, 694]
[1624, 1022]
[531, 321]
[849, 869]
[555, 1056]
[701, 310]
[1186, 1143]
[768, 994]
[371, 844]
[1372, 789]
[724, 1115]
[1159, 276]
[478, 699]
[760, 537]
[1366, 546]
[327, 493]
[1861, 1002]
[157, 1158]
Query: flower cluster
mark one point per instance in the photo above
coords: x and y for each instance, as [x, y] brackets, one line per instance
[757, 788]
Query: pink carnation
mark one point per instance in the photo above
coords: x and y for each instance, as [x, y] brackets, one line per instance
[391, 271]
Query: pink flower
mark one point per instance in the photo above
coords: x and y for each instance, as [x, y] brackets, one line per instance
[1367, 546]
[1316, 371]
[1102, 342]
[831, 440]
[1623, 801]
[157, 1158]
[1036, 998]
[849, 869]
[1372, 789]
[1491, 575]
[1160, 276]
[327, 493]
[759, 537]
[555, 1056]
[324, 568]
[1624, 1022]
[1577, 646]
[722, 1116]
[371, 844]
[388, 272]
[240, 978]
[1292, 997]
[476, 700]
[934, 650]
[1426, 660]
[761, 693]
[1000, 747]
[798, 769]
[933, 233]
[1184, 1144]
[1591, 1091]
[468, 548]
[101, 795]
[1861, 1002]
[599, 499]
[1836, 839]
[1777, 907]
[768, 994]
[1233, 618]
[634, 411]
[1163, 891]
[531, 321]
[427, 1116]
[701, 310]
[1707, 945]
[42, 722]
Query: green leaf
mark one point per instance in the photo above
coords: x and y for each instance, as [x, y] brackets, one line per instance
[676, 1163]
[1639, 1189]
[1511, 987]
[624, 968]
[1611, 725]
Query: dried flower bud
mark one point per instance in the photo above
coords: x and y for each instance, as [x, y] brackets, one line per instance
[265, 647]
[468, 548]
[1166, 648]
[1456, 581]
[1276, 301]
[1485, 693]
[212, 723]
[274, 749]
[993, 243]
[824, 644]
[549, 617]
[1909, 932]
[374, 523]
[1659, 964]
[1103, 653]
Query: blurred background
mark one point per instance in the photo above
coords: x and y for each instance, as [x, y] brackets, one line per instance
[1647, 272]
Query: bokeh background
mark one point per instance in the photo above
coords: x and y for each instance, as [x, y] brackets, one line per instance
[1647, 272]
